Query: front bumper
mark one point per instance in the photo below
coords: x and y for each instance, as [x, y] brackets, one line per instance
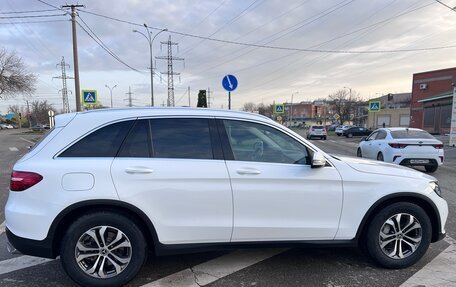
[38, 248]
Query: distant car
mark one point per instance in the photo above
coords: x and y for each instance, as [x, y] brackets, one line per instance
[356, 131]
[6, 126]
[46, 127]
[37, 128]
[316, 132]
[404, 146]
[340, 130]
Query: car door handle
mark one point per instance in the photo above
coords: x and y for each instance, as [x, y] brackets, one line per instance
[141, 170]
[248, 171]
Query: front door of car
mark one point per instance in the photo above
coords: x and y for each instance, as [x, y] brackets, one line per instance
[368, 146]
[277, 195]
[173, 170]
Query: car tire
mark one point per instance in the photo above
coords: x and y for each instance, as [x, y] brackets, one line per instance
[359, 153]
[431, 168]
[117, 230]
[338, 135]
[380, 157]
[324, 138]
[393, 248]
[350, 135]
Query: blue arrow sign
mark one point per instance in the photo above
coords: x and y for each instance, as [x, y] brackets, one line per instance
[229, 83]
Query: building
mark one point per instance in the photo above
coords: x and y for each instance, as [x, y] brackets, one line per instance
[394, 112]
[432, 98]
[306, 113]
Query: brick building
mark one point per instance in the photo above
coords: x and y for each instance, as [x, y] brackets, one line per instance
[432, 99]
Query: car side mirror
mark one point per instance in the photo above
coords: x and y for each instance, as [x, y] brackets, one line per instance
[318, 160]
[363, 139]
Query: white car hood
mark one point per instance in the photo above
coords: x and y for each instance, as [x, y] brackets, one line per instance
[378, 167]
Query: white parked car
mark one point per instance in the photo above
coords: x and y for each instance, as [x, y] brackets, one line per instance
[316, 132]
[340, 130]
[6, 126]
[104, 187]
[404, 146]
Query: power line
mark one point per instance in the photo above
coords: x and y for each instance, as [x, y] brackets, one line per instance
[281, 47]
[30, 11]
[449, 7]
[104, 47]
[34, 22]
[50, 5]
[32, 16]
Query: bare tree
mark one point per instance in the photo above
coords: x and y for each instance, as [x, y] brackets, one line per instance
[344, 103]
[14, 77]
[266, 110]
[249, 107]
[39, 111]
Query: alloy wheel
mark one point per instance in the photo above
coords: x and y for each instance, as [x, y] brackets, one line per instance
[103, 252]
[400, 236]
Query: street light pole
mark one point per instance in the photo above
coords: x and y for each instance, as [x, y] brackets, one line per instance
[290, 113]
[151, 41]
[110, 90]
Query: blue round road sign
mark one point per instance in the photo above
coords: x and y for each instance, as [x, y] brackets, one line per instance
[229, 83]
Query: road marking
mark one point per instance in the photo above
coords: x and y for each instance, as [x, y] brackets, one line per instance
[13, 149]
[439, 272]
[215, 269]
[20, 262]
[27, 140]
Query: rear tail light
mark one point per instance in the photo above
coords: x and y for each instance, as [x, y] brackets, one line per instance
[21, 180]
[397, 145]
[438, 146]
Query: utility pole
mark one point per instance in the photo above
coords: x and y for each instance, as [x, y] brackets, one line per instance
[28, 114]
[208, 97]
[170, 59]
[77, 89]
[66, 104]
[189, 104]
[130, 99]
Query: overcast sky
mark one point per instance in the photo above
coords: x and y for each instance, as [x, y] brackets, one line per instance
[264, 75]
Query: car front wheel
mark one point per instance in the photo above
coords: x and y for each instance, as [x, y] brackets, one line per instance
[103, 249]
[359, 153]
[399, 235]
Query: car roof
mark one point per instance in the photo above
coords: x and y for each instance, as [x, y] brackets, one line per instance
[119, 113]
[400, 129]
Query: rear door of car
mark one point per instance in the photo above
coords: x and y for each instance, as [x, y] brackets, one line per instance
[277, 195]
[173, 170]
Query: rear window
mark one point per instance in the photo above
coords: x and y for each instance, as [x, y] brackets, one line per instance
[411, 134]
[104, 142]
[318, 127]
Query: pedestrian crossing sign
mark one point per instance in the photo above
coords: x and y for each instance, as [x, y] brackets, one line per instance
[279, 109]
[374, 106]
[89, 97]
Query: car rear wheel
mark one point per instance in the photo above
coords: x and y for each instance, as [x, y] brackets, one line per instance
[103, 249]
[359, 153]
[324, 138]
[380, 157]
[399, 235]
[431, 168]
[350, 135]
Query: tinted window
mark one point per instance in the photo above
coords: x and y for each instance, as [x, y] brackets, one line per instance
[181, 138]
[104, 142]
[381, 135]
[261, 143]
[411, 134]
[318, 127]
[137, 143]
[372, 137]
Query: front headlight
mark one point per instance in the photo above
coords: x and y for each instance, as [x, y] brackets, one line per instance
[435, 186]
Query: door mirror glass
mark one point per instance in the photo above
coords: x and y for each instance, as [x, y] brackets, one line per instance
[318, 160]
[363, 139]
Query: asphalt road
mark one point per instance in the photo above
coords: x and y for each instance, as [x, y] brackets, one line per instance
[306, 266]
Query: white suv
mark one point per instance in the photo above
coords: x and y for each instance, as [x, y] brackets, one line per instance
[104, 187]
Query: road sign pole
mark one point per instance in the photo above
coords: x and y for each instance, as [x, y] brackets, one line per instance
[229, 100]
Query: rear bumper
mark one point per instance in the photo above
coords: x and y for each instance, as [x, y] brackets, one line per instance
[39, 248]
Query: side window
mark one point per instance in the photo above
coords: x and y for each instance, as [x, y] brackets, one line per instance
[181, 138]
[372, 137]
[381, 135]
[257, 142]
[137, 143]
[104, 142]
